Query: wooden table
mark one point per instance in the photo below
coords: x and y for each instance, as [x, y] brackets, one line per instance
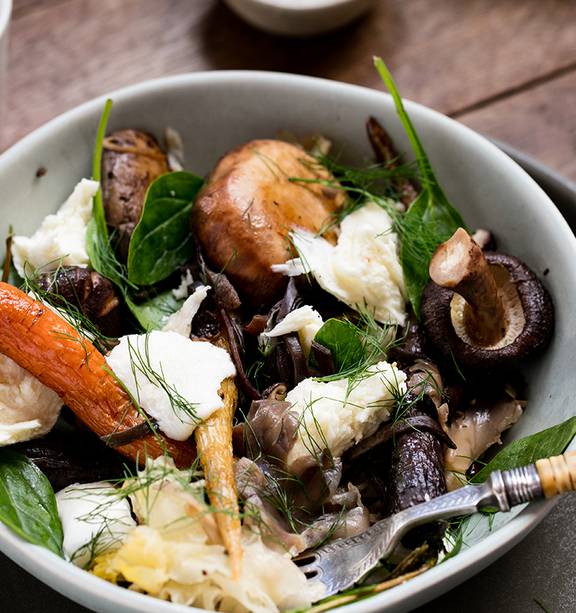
[505, 68]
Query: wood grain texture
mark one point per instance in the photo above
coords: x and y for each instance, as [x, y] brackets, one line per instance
[448, 54]
[540, 122]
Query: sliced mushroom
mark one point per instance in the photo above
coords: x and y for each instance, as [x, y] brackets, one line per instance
[484, 310]
[131, 160]
[477, 429]
[248, 206]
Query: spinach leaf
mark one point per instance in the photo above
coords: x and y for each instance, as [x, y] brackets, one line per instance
[344, 341]
[430, 220]
[549, 442]
[153, 314]
[98, 242]
[162, 240]
[27, 502]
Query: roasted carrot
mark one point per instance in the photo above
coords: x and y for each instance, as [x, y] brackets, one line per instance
[54, 352]
[214, 446]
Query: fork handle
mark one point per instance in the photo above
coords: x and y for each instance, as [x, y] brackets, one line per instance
[557, 474]
[544, 479]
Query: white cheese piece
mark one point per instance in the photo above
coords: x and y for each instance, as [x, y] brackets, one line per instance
[181, 321]
[175, 380]
[305, 320]
[61, 239]
[28, 409]
[95, 518]
[338, 414]
[186, 281]
[363, 269]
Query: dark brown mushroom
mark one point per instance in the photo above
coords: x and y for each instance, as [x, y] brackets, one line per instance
[72, 456]
[484, 310]
[91, 293]
[386, 153]
[131, 160]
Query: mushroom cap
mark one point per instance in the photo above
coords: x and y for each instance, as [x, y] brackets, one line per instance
[92, 294]
[529, 312]
[246, 210]
[131, 160]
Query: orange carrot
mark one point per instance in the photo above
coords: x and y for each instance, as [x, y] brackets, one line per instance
[48, 347]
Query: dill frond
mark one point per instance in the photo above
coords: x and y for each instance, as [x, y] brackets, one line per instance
[141, 362]
[68, 311]
[372, 343]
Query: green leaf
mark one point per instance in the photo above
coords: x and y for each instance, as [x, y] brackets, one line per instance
[162, 240]
[98, 242]
[431, 219]
[153, 314]
[344, 340]
[98, 213]
[426, 224]
[546, 443]
[27, 502]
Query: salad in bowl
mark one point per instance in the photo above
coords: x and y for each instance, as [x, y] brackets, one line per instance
[204, 378]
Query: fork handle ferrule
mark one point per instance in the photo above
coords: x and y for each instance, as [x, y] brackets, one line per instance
[522, 484]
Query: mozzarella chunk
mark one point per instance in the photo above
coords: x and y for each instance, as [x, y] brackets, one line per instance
[61, 238]
[28, 409]
[174, 379]
[363, 269]
[338, 414]
[305, 320]
[95, 519]
[181, 321]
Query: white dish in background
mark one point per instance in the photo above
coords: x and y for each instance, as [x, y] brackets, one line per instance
[5, 12]
[217, 111]
[299, 17]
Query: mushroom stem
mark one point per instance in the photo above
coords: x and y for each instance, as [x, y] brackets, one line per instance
[459, 264]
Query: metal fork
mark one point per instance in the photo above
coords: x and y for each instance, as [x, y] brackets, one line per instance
[340, 564]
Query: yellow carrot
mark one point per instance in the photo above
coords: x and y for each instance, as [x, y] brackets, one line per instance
[214, 448]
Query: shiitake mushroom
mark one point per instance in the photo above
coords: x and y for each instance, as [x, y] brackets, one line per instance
[91, 293]
[248, 207]
[484, 310]
[131, 160]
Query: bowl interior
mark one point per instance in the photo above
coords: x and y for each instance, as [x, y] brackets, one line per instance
[216, 111]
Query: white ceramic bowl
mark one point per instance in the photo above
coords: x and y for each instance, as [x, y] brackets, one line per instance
[299, 17]
[5, 12]
[217, 111]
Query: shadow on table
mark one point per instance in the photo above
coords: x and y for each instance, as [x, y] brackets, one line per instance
[230, 43]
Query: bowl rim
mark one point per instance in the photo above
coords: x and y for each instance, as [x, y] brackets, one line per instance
[5, 13]
[60, 574]
[302, 6]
